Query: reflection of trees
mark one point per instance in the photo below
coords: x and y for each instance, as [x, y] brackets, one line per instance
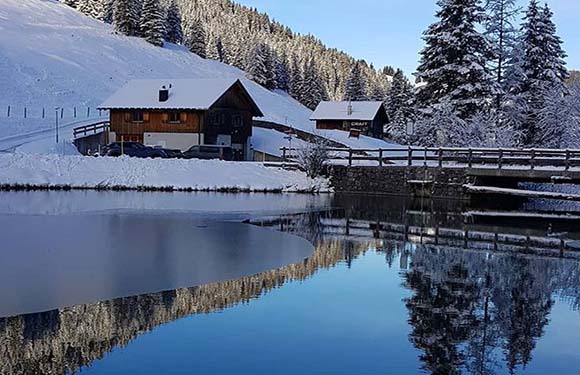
[442, 316]
[469, 309]
[65, 340]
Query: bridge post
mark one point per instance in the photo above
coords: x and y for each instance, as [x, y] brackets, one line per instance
[533, 159]
[410, 156]
[440, 156]
[470, 158]
[567, 162]
[350, 157]
[381, 157]
[500, 159]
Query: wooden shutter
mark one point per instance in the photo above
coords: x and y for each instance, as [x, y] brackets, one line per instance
[165, 118]
[183, 117]
[145, 116]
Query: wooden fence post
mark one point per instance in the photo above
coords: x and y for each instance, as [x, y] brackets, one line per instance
[88, 112]
[75, 112]
[283, 153]
[25, 112]
[470, 158]
[43, 112]
[62, 113]
[8, 114]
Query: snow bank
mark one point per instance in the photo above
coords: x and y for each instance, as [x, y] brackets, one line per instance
[20, 169]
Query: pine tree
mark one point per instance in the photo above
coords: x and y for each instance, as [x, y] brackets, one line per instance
[174, 30]
[399, 107]
[543, 69]
[455, 62]
[125, 17]
[260, 67]
[195, 40]
[296, 79]
[152, 22]
[355, 89]
[93, 8]
[313, 91]
[502, 33]
[282, 74]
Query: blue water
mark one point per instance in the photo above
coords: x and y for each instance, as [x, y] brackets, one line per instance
[369, 300]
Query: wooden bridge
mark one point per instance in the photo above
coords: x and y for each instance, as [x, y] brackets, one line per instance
[486, 170]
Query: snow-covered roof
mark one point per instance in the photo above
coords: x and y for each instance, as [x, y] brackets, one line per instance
[198, 94]
[361, 111]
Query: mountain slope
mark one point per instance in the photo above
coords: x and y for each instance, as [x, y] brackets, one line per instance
[52, 56]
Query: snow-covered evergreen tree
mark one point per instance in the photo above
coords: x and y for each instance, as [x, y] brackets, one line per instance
[173, 28]
[543, 70]
[313, 90]
[502, 32]
[94, 8]
[559, 118]
[126, 17]
[195, 40]
[441, 128]
[261, 68]
[153, 22]
[399, 107]
[455, 62]
[296, 79]
[282, 73]
[355, 89]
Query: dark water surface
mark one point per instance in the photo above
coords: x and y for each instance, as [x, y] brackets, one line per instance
[393, 286]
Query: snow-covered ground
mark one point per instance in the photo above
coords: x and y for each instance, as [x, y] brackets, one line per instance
[53, 56]
[133, 173]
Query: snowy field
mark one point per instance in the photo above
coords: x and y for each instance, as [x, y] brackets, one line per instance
[50, 171]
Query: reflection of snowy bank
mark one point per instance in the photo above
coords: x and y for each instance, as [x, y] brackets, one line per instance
[206, 205]
[52, 171]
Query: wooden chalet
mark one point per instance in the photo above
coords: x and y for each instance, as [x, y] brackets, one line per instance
[367, 118]
[181, 113]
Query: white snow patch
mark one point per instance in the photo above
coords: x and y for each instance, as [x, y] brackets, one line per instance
[104, 172]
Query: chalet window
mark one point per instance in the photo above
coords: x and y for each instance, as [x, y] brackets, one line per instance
[138, 116]
[237, 121]
[218, 118]
[174, 117]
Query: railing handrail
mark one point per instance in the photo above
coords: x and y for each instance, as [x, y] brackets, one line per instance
[86, 129]
[471, 156]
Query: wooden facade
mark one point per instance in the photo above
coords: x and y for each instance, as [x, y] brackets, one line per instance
[372, 128]
[131, 124]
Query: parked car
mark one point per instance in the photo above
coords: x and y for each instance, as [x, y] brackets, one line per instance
[172, 154]
[208, 152]
[133, 149]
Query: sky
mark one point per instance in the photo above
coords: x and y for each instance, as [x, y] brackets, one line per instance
[388, 32]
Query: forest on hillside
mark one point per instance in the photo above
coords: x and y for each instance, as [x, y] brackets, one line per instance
[491, 74]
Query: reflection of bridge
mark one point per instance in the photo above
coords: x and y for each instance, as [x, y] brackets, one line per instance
[450, 172]
[468, 237]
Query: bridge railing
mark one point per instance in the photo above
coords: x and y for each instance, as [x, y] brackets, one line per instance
[498, 158]
[90, 129]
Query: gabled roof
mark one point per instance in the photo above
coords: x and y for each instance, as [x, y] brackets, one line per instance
[197, 94]
[361, 111]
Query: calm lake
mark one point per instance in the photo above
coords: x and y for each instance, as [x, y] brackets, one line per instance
[157, 283]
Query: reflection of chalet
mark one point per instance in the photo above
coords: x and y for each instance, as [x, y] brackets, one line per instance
[366, 118]
[180, 113]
